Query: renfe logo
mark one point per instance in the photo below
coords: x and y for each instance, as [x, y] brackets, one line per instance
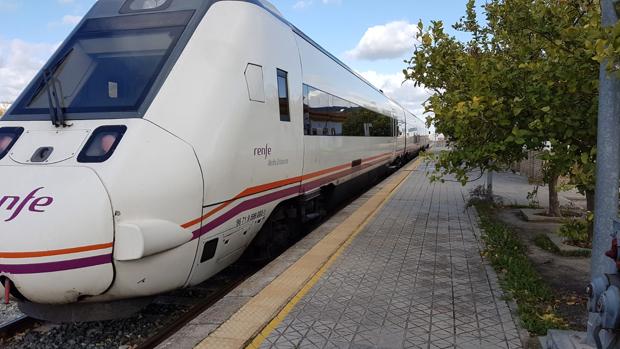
[263, 151]
[15, 204]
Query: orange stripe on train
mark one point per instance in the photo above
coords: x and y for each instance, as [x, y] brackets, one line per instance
[271, 186]
[55, 252]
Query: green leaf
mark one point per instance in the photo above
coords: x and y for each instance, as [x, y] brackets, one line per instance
[517, 111]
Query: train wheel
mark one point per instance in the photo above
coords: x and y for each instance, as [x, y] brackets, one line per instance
[280, 230]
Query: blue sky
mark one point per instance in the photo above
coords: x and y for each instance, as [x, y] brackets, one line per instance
[372, 36]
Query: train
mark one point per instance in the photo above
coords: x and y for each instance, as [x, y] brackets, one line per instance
[165, 137]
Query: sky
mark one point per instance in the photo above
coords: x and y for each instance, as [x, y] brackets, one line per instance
[372, 36]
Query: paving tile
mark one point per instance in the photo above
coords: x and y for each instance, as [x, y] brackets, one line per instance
[413, 278]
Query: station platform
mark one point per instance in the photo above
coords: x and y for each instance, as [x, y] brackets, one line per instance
[400, 268]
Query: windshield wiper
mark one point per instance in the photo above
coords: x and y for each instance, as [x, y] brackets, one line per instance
[56, 113]
[53, 98]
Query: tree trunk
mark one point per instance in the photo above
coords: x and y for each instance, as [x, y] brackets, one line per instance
[490, 185]
[590, 203]
[554, 201]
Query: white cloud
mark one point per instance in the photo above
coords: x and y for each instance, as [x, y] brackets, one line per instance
[66, 20]
[404, 92]
[19, 62]
[391, 40]
[8, 5]
[302, 4]
[71, 20]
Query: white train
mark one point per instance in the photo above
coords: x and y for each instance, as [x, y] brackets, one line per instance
[162, 136]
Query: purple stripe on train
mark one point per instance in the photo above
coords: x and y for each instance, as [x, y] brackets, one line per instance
[37, 268]
[253, 203]
[244, 206]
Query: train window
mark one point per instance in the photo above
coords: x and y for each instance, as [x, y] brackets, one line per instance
[285, 114]
[307, 122]
[108, 65]
[368, 123]
[328, 115]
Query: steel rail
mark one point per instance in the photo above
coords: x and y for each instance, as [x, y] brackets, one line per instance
[12, 328]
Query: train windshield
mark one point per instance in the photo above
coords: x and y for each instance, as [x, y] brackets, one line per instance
[108, 65]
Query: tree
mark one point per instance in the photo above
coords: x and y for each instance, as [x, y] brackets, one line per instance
[525, 80]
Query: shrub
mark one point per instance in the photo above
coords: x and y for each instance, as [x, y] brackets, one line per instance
[577, 231]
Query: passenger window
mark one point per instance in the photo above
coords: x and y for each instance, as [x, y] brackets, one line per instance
[328, 115]
[307, 122]
[283, 96]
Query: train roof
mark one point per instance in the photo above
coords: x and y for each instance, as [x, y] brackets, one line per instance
[275, 12]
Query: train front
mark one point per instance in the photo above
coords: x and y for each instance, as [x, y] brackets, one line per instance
[92, 194]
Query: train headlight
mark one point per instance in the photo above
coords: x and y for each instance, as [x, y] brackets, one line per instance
[102, 144]
[8, 137]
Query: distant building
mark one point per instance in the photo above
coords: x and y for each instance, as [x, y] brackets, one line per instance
[4, 106]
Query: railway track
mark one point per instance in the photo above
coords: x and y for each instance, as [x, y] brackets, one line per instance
[181, 306]
[196, 310]
[16, 326]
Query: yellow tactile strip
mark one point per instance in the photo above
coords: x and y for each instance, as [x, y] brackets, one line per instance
[256, 319]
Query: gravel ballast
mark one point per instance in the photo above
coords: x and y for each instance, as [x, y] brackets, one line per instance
[9, 312]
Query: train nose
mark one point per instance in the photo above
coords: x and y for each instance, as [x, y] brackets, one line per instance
[56, 233]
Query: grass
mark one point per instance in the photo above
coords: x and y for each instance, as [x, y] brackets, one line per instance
[544, 242]
[518, 278]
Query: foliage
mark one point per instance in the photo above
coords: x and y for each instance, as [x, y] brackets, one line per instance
[525, 81]
[577, 231]
[532, 198]
[518, 276]
[479, 195]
